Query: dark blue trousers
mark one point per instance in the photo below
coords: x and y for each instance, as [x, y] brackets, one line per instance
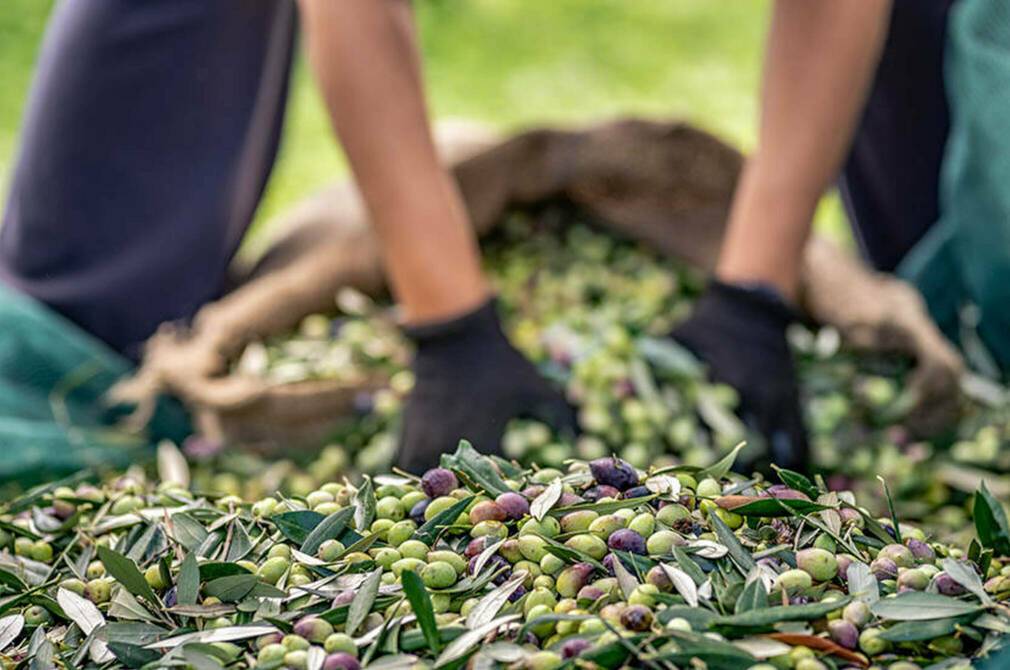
[151, 129]
[890, 183]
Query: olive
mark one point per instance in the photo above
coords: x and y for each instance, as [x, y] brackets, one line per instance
[438, 482]
[614, 472]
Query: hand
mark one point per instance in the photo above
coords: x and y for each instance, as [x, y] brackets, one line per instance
[469, 383]
[739, 332]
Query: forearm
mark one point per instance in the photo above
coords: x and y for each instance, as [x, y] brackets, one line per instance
[819, 65]
[365, 57]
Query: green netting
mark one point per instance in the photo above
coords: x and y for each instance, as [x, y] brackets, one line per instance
[965, 260]
[53, 377]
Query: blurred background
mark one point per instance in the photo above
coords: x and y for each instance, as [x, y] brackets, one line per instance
[509, 63]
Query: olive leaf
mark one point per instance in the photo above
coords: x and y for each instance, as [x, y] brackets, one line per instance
[364, 505]
[741, 557]
[753, 597]
[10, 627]
[477, 468]
[81, 611]
[962, 573]
[683, 583]
[465, 643]
[172, 466]
[721, 468]
[484, 556]
[362, 603]
[764, 619]
[125, 571]
[625, 579]
[797, 482]
[768, 507]
[568, 554]
[862, 583]
[543, 503]
[919, 606]
[991, 522]
[327, 529]
[688, 566]
[915, 631]
[225, 634]
[231, 589]
[487, 607]
[125, 606]
[188, 532]
[603, 508]
[714, 654]
[297, 525]
[430, 530]
[420, 602]
[890, 510]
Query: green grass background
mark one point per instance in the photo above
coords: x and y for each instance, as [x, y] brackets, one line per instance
[511, 63]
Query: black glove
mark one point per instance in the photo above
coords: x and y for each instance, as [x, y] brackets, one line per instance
[740, 333]
[469, 383]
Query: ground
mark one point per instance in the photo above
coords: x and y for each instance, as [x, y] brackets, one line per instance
[511, 63]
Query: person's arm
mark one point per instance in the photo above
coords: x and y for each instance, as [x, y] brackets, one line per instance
[469, 380]
[364, 54]
[819, 64]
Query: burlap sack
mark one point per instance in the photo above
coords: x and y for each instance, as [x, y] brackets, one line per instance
[666, 184]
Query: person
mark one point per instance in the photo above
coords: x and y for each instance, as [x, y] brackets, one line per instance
[150, 133]
[852, 91]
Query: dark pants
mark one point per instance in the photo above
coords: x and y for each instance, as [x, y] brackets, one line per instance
[149, 135]
[890, 183]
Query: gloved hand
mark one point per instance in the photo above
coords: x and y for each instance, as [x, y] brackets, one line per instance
[469, 383]
[739, 332]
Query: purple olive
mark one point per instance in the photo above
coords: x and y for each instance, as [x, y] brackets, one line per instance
[63, 509]
[636, 492]
[626, 539]
[590, 593]
[601, 491]
[493, 564]
[615, 472]
[344, 598]
[171, 597]
[884, 568]
[487, 510]
[517, 594]
[438, 482]
[340, 660]
[509, 550]
[608, 563]
[849, 515]
[657, 577]
[637, 618]
[573, 647]
[783, 492]
[946, 585]
[844, 561]
[844, 633]
[417, 511]
[568, 499]
[515, 506]
[363, 403]
[533, 490]
[313, 629]
[922, 551]
[477, 545]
